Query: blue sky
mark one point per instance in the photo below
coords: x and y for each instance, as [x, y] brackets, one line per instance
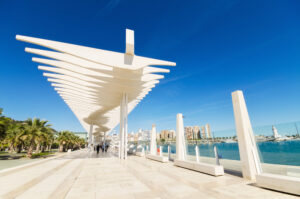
[219, 47]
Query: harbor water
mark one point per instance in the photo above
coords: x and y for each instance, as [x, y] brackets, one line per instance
[284, 152]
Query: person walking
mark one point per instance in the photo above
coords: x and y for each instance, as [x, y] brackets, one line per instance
[98, 149]
[103, 147]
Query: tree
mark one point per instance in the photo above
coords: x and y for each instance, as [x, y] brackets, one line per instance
[49, 140]
[68, 140]
[44, 138]
[35, 131]
[14, 135]
[63, 140]
[4, 122]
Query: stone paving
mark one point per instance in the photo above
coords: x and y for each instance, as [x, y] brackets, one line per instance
[77, 175]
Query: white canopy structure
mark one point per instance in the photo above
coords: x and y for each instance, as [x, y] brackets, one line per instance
[101, 87]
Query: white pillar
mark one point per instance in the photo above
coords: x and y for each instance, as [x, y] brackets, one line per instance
[169, 152]
[104, 139]
[247, 145]
[217, 155]
[153, 146]
[197, 153]
[129, 42]
[94, 141]
[160, 151]
[123, 126]
[121, 147]
[90, 136]
[119, 152]
[180, 140]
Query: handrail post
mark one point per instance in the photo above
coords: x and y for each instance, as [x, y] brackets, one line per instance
[197, 153]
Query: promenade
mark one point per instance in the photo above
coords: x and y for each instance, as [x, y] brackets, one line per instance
[76, 175]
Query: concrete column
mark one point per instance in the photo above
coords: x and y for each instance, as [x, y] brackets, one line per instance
[160, 151]
[93, 142]
[197, 153]
[169, 152]
[121, 134]
[123, 126]
[217, 155]
[90, 136]
[119, 152]
[153, 145]
[129, 42]
[247, 145]
[104, 138]
[180, 140]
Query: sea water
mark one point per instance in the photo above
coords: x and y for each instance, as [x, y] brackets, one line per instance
[284, 152]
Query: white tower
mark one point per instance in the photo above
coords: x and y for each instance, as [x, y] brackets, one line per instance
[275, 132]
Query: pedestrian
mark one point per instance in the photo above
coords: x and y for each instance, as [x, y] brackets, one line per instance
[103, 147]
[98, 148]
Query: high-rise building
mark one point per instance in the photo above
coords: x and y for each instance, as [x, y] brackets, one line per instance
[158, 136]
[167, 134]
[141, 135]
[196, 132]
[130, 137]
[164, 134]
[188, 131]
[208, 131]
[202, 132]
[137, 137]
[172, 134]
[146, 134]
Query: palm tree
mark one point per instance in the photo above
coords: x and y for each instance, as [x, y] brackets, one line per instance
[35, 132]
[63, 140]
[14, 135]
[4, 122]
[68, 140]
[49, 140]
[44, 138]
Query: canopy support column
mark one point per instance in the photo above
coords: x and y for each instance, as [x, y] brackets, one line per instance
[123, 126]
[104, 140]
[153, 146]
[247, 145]
[180, 140]
[90, 138]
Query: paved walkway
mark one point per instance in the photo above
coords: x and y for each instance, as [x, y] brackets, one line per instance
[76, 176]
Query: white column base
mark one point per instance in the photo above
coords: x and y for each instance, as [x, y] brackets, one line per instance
[158, 158]
[282, 183]
[215, 170]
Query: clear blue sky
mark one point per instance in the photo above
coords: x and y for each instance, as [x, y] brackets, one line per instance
[219, 47]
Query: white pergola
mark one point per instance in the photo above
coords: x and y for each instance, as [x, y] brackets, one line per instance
[101, 87]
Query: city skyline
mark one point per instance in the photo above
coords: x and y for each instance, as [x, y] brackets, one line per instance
[218, 48]
[289, 128]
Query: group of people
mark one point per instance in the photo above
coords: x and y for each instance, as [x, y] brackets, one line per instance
[103, 147]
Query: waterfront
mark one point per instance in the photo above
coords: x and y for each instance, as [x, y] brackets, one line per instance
[75, 176]
[284, 152]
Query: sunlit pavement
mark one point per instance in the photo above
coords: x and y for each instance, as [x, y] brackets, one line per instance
[87, 175]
